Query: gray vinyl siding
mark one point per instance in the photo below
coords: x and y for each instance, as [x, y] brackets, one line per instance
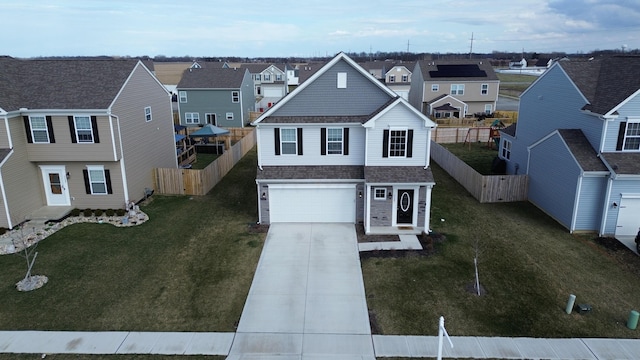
[556, 194]
[631, 108]
[589, 209]
[311, 146]
[551, 103]
[147, 145]
[210, 101]
[417, 86]
[629, 186]
[65, 149]
[323, 98]
[400, 117]
[22, 179]
[77, 190]
[248, 100]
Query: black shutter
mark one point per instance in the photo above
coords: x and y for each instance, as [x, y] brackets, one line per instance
[72, 131]
[27, 128]
[409, 143]
[385, 143]
[87, 186]
[299, 141]
[276, 140]
[621, 133]
[52, 138]
[345, 140]
[107, 177]
[94, 127]
[323, 141]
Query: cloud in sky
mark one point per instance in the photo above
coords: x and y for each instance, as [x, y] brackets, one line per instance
[290, 28]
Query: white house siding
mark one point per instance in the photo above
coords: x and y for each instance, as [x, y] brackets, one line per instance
[555, 195]
[323, 98]
[399, 117]
[589, 209]
[552, 91]
[629, 109]
[628, 186]
[147, 145]
[311, 146]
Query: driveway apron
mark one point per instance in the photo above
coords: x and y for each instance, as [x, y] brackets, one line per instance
[307, 296]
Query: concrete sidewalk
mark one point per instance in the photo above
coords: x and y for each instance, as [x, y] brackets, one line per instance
[190, 343]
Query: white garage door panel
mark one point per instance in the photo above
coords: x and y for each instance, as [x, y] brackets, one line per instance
[312, 204]
[628, 220]
[272, 92]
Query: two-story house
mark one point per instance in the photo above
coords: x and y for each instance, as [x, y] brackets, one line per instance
[343, 147]
[398, 78]
[80, 133]
[215, 95]
[454, 88]
[269, 83]
[578, 140]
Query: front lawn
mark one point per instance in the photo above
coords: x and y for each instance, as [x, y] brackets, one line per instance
[528, 266]
[188, 268]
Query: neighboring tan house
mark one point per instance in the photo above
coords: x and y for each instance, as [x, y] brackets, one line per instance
[398, 78]
[343, 147]
[296, 74]
[80, 134]
[472, 82]
[215, 95]
[268, 82]
[578, 140]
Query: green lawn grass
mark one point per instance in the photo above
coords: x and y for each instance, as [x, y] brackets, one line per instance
[188, 268]
[203, 160]
[478, 155]
[528, 265]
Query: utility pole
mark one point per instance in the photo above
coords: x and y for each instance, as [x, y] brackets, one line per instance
[407, 46]
[471, 47]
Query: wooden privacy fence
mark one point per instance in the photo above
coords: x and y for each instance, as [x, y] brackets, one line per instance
[485, 188]
[448, 135]
[200, 182]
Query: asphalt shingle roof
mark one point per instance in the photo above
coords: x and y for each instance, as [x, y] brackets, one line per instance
[605, 82]
[427, 66]
[314, 172]
[395, 174]
[62, 84]
[211, 78]
[623, 163]
[580, 147]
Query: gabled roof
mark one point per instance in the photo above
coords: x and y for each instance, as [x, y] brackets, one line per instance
[212, 78]
[457, 70]
[256, 68]
[582, 150]
[306, 71]
[606, 82]
[510, 130]
[62, 84]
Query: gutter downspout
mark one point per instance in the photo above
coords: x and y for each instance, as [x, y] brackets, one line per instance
[122, 165]
[257, 130]
[5, 205]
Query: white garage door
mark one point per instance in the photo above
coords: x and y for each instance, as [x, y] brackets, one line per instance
[310, 203]
[628, 217]
[272, 92]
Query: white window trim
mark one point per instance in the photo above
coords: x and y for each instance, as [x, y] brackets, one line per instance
[405, 78]
[191, 121]
[488, 108]
[46, 129]
[505, 153]
[459, 89]
[183, 96]
[235, 97]
[147, 114]
[375, 193]
[406, 135]
[341, 141]
[75, 126]
[484, 89]
[630, 121]
[229, 116]
[295, 131]
[435, 87]
[392, 78]
[91, 182]
[342, 80]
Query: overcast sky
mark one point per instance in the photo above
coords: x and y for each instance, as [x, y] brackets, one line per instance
[251, 28]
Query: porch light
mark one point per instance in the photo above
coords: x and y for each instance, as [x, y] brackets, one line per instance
[263, 196]
[615, 205]
[68, 175]
[360, 194]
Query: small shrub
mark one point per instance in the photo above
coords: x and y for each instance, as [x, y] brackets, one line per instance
[120, 212]
[3, 230]
[75, 212]
[98, 212]
[87, 212]
[110, 212]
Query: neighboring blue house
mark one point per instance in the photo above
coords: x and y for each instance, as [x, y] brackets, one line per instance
[343, 147]
[578, 139]
[212, 95]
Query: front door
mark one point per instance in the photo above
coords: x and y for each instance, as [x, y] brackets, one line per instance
[404, 205]
[54, 179]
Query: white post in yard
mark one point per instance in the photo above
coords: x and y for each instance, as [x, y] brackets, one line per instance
[441, 331]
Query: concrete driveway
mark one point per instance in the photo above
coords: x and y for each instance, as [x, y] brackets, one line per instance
[307, 297]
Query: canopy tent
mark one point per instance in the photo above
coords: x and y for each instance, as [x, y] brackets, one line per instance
[209, 130]
[179, 137]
